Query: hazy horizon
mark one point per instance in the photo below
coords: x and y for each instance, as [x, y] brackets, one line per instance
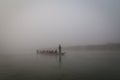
[31, 31]
[47, 23]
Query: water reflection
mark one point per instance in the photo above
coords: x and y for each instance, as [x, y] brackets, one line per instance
[60, 61]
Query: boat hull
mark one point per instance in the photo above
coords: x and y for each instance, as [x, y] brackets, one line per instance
[40, 52]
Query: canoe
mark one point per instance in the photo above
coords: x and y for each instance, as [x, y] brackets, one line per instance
[41, 52]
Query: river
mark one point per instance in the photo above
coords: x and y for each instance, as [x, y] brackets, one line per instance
[74, 65]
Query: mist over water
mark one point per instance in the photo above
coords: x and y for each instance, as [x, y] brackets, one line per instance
[49, 23]
[88, 31]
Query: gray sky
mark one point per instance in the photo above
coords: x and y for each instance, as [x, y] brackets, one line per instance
[41, 23]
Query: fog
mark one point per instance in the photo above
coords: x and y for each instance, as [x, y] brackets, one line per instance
[47, 23]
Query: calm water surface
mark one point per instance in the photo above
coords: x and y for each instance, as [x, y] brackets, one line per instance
[74, 65]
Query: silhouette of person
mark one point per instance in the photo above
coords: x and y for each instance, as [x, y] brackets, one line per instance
[59, 48]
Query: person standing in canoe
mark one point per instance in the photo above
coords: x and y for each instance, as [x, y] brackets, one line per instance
[60, 48]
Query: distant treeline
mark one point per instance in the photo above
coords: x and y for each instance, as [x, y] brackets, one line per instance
[96, 47]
